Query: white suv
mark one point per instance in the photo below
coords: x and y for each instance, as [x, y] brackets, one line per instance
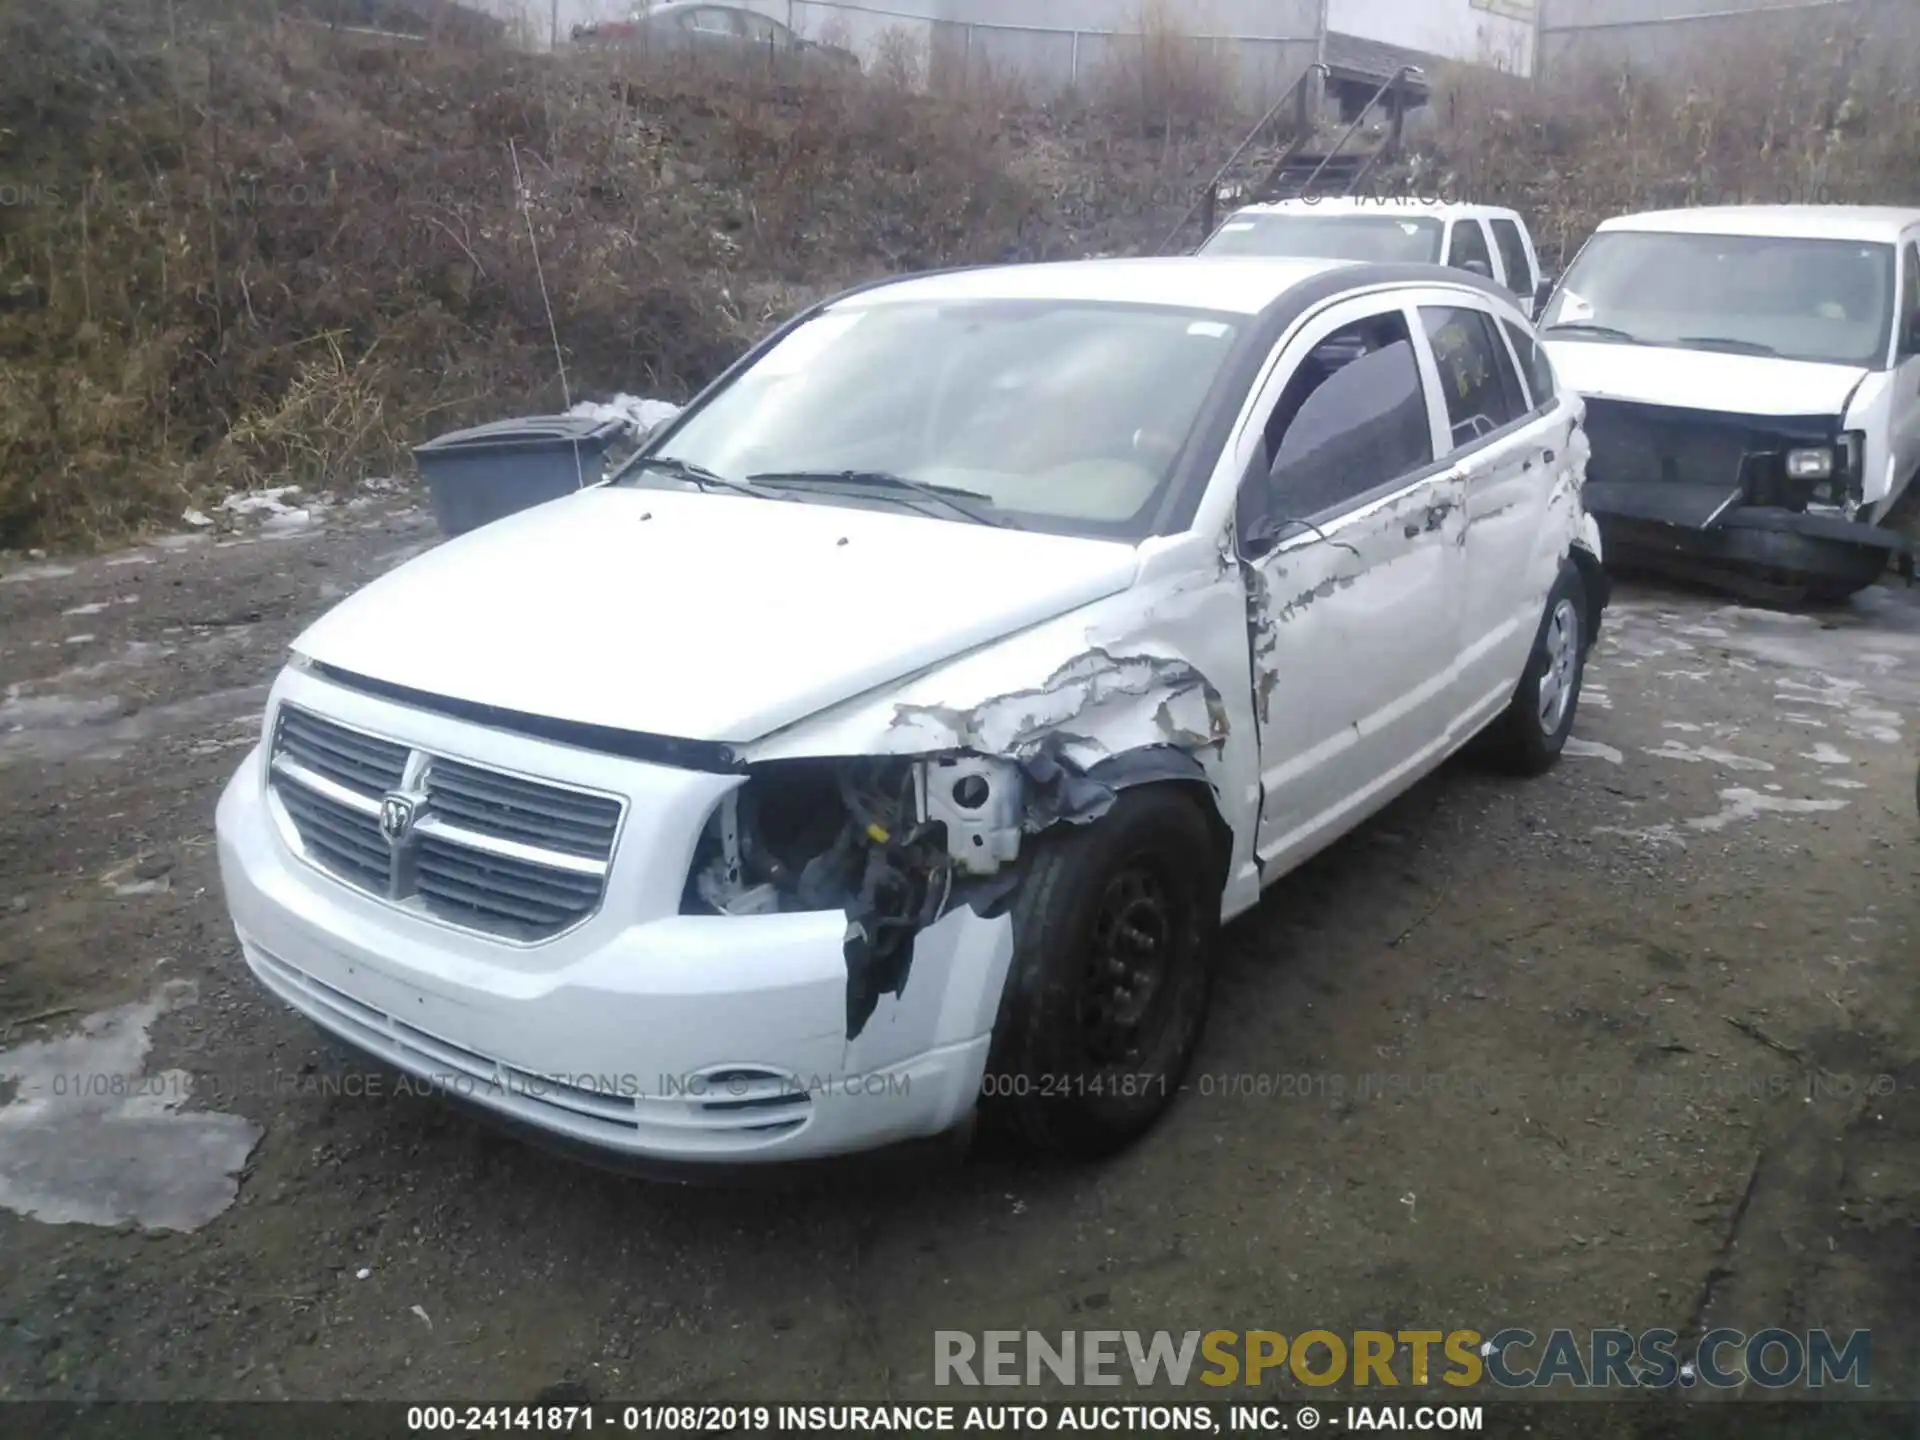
[895, 731]
[1487, 240]
[1752, 378]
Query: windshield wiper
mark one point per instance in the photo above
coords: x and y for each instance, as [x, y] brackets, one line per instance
[691, 473]
[1587, 327]
[1726, 342]
[887, 483]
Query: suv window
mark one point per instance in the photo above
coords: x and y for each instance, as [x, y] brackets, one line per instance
[1513, 251]
[1469, 243]
[1482, 388]
[1538, 368]
[1351, 420]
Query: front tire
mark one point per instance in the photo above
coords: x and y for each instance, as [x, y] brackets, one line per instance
[1528, 737]
[1114, 933]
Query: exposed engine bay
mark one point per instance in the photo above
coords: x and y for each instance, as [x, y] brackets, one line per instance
[892, 841]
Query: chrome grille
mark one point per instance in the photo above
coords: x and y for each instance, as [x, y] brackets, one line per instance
[479, 848]
[523, 810]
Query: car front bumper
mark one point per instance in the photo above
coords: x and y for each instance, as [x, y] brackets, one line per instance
[682, 1039]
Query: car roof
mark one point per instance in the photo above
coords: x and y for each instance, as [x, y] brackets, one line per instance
[1383, 204]
[1232, 284]
[1797, 222]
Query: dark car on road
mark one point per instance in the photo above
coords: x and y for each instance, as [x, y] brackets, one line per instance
[725, 32]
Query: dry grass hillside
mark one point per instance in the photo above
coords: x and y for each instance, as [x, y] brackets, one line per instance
[237, 249]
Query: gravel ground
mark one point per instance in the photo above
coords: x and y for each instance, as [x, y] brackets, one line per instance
[1633, 1044]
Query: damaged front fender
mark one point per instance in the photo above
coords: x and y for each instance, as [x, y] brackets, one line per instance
[917, 799]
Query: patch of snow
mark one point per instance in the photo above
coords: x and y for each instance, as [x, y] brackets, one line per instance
[36, 572]
[94, 609]
[641, 416]
[90, 1138]
[1827, 755]
[1742, 805]
[198, 518]
[1674, 750]
[1593, 750]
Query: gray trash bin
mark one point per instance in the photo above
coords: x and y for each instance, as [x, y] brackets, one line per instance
[478, 475]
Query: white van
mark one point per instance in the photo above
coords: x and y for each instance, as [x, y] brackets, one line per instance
[1489, 241]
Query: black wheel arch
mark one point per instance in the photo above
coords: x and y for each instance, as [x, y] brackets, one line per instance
[1597, 584]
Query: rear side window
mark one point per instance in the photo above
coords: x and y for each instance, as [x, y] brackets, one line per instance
[1481, 386]
[1513, 252]
[1469, 243]
[1539, 369]
[1352, 420]
[1910, 310]
[710, 22]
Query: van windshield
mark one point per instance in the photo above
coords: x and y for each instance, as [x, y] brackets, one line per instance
[1827, 301]
[1383, 239]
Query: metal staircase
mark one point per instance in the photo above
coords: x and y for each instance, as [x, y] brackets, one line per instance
[1282, 158]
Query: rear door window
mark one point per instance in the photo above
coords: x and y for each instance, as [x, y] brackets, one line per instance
[1469, 244]
[1513, 254]
[1909, 337]
[1536, 366]
[1477, 378]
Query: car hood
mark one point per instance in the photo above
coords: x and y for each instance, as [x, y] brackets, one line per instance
[702, 616]
[1703, 379]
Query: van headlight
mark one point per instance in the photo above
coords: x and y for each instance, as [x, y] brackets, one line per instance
[1816, 463]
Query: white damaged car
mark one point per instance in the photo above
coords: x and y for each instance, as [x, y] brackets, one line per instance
[1752, 379]
[887, 740]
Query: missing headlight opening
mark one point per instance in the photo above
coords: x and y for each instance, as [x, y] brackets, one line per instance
[894, 842]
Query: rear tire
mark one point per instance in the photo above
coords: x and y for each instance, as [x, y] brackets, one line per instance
[1528, 737]
[1114, 933]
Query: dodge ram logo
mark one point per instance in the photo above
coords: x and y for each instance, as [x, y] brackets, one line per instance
[396, 816]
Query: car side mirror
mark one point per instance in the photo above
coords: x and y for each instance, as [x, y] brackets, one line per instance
[1910, 342]
[1542, 293]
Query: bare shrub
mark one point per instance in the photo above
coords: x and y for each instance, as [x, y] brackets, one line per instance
[260, 251]
[1810, 113]
[900, 59]
[1161, 79]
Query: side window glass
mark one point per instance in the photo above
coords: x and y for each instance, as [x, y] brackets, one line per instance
[1533, 359]
[1351, 420]
[710, 22]
[1479, 382]
[1469, 244]
[1910, 288]
[1513, 254]
[759, 28]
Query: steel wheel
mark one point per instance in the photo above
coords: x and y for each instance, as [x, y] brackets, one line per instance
[1136, 931]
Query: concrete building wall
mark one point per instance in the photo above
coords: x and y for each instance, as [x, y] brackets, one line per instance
[1676, 34]
[1499, 33]
[1265, 44]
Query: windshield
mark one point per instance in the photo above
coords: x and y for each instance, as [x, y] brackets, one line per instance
[1049, 415]
[1385, 239]
[1829, 301]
